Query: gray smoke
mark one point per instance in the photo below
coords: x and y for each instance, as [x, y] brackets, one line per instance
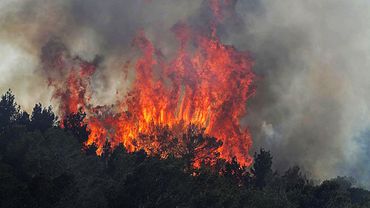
[312, 60]
[312, 101]
[87, 29]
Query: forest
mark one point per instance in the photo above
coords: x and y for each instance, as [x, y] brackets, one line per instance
[45, 165]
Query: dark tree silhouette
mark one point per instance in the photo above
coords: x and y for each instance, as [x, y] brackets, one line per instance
[294, 179]
[262, 168]
[9, 110]
[24, 119]
[74, 123]
[46, 168]
[237, 173]
[90, 149]
[332, 194]
[42, 118]
[107, 150]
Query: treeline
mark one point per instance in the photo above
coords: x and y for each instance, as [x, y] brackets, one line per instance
[43, 165]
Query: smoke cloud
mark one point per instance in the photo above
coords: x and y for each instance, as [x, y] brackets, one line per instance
[312, 61]
[312, 101]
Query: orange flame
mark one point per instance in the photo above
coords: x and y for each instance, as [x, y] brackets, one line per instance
[207, 85]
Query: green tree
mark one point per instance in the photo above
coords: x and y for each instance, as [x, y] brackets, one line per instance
[42, 118]
[261, 169]
[9, 110]
[24, 119]
[333, 194]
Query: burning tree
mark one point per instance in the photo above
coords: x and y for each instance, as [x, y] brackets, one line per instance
[203, 90]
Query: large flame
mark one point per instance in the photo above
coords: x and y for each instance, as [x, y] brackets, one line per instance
[206, 85]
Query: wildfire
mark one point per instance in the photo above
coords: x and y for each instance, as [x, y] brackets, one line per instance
[204, 87]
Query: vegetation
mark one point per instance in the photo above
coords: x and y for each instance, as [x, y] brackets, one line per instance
[43, 165]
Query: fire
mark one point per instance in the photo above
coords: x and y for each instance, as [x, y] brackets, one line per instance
[204, 89]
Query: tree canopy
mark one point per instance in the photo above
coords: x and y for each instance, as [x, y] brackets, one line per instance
[45, 165]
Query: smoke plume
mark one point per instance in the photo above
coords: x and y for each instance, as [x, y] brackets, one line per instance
[312, 104]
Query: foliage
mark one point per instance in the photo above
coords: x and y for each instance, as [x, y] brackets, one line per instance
[9, 110]
[262, 168]
[42, 118]
[74, 123]
[43, 165]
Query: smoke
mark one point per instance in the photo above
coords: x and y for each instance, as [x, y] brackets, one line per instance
[312, 101]
[86, 29]
[311, 106]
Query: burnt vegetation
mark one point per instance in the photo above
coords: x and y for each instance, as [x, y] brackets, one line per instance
[44, 165]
